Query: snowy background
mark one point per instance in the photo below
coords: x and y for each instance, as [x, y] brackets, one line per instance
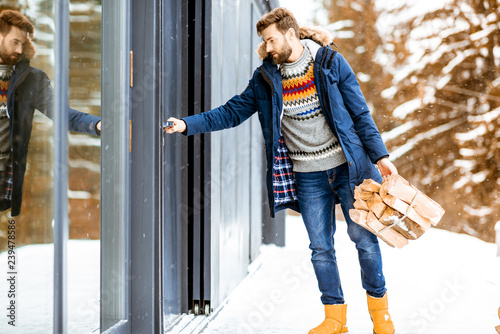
[430, 71]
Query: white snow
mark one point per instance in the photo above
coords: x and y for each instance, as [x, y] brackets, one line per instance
[471, 135]
[339, 25]
[77, 194]
[411, 143]
[465, 165]
[35, 288]
[363, 77]
[468, 152]
[306, 14]
[468, 177]
[481, 212]
[443, 81]
[398, 131]
[484, 33]
[389, 92]
[442, 283]
[496, 53]
[459, 58]
[487, 117]
[407, 108]
[395, 12]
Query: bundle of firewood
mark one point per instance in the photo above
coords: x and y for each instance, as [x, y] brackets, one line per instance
[395, 211]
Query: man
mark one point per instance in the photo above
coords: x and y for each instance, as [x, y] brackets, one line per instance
[22, 90]
[321, 142]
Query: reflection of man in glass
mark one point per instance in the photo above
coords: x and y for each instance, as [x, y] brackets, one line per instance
[22, 90]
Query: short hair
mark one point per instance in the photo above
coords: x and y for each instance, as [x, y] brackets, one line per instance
[283, 18]
[10, 18]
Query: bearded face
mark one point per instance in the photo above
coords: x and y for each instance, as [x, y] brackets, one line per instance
[282, 52]
[11, 45]
[277, 44]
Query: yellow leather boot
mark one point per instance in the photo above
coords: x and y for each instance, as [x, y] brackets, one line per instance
[335, 320]
[379, 312]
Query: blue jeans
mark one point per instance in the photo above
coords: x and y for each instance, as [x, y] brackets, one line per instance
[318, 193]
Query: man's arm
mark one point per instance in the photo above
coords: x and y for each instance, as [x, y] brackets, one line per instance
[77, 121]
[363, 121]
[238, 109]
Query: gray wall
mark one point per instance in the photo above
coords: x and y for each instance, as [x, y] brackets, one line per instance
[236, 159]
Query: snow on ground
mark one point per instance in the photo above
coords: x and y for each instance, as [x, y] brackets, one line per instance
[34, 304]
[443, 283]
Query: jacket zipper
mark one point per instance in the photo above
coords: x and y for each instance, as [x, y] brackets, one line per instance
[271, 85]
[18, 82]
[322, 83]
[22, 77]
[334, 130]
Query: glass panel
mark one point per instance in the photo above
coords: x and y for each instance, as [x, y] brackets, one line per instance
[174, 166]
[115, 170]
[84, 169]
[33, 251]
[30, 267]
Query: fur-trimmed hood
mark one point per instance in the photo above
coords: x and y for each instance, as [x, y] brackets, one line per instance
[28, 50]
[317, 34]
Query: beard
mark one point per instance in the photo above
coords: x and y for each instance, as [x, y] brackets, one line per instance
[282, 55]
[8, 58]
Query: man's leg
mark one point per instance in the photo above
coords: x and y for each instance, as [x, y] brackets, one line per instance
[317, 205]
[316, 200]
[370, 257]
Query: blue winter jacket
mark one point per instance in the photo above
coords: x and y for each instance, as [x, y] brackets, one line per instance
[29, 89]
[341, 100]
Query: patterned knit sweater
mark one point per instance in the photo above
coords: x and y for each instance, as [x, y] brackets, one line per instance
[311, 143]
[5, 75]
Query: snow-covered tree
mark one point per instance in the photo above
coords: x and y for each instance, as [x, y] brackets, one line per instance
[445, 61]
[353, 24]
[430, 72]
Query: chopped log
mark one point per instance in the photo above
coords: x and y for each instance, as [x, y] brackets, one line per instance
[370, 186]
[376, 205]
[359, 204]
[359, 217]
[407, 228]
[498, 329]
[499, 312]
[398, 187]
[403, 207]
[390, 236]
[362, 194]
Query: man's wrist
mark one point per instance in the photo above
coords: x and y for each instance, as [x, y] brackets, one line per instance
[383, 157]
[97, 131]
[186, 127]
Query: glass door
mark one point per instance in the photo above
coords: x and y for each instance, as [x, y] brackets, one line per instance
[27, 143]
